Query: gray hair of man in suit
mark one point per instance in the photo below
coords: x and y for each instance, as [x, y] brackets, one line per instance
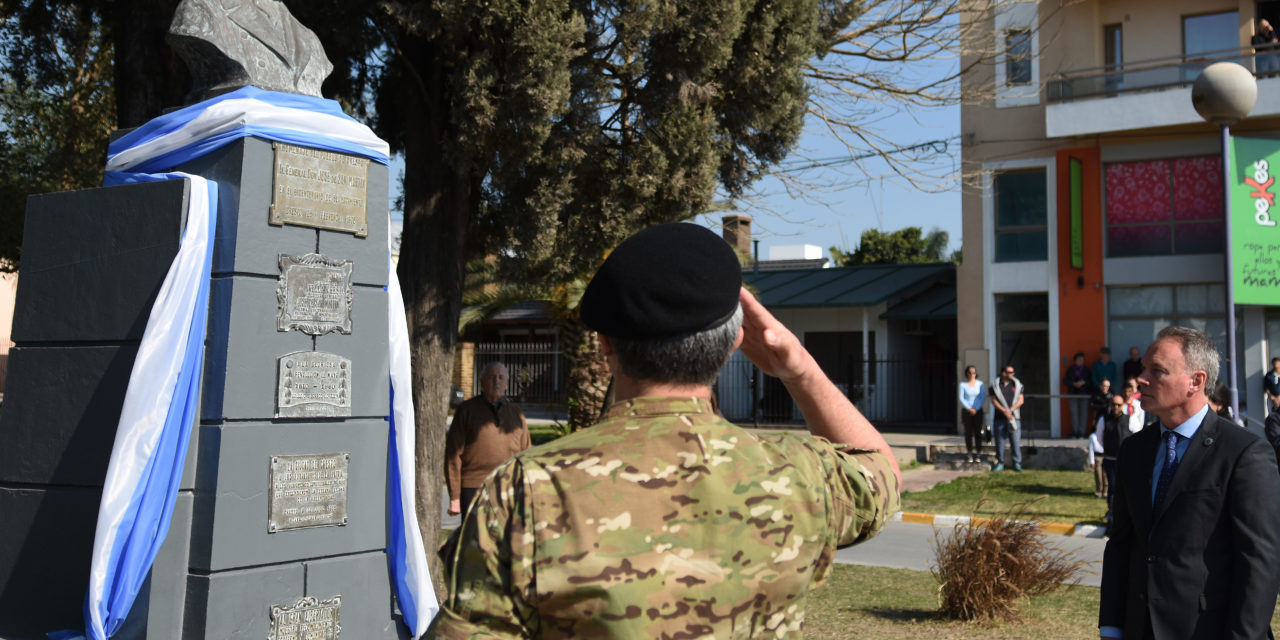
[1198, 351]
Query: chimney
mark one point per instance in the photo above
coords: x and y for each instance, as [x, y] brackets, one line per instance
[737, 232]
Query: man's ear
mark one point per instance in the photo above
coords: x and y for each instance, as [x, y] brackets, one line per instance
[737, 342]
[1198, 380]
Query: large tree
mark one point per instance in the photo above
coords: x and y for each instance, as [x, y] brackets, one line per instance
[904, 246]
[544, 131]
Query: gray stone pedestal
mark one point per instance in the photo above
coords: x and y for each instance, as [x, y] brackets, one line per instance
[283, 497]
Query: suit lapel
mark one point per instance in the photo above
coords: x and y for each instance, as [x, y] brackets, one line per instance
[1139, 477]
[1200, 447]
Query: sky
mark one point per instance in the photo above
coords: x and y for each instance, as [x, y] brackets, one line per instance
[842, 200]
[851, 200]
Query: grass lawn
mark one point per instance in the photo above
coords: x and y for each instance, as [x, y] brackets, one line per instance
[1068, 496]
[873, 603]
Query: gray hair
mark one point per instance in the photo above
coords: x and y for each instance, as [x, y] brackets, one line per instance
[1198, 351]
[490, 367]
[693, 358]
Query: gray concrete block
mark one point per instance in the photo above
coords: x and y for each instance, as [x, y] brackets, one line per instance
[366, 346]
[232, 504]
[368, 254]
[364, 582]
[60, 414]
[244, 242]
[45, 545]
[240, 357]
[236, 605]
[93, 261]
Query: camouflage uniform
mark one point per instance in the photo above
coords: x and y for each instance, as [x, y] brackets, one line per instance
[663, 521]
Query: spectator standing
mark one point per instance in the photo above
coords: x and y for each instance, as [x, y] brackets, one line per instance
[1076, 383]
[1271, 382]
[1220, 403]
[973, 395]
[1132, 367]
[1111, 431]
[1105, 369]
[486, 431]
[1006, 400]
[1133, 406]
[1264, 43]
[1095, 463]
[1100, 402]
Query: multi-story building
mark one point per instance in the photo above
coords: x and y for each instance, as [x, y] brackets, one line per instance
[1093, 207]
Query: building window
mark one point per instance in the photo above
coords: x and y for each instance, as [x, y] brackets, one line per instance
[1017, 56]
[1137, 314]
[1210, 33]
[1164, 207]
[1021, 214]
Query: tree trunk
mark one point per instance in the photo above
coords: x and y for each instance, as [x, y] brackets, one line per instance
[588, 373]
[439, 205]
[149, 76]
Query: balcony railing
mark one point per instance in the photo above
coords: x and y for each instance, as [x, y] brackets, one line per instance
[1158, 73]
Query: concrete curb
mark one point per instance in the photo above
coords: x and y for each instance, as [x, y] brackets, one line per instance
[1059, 528]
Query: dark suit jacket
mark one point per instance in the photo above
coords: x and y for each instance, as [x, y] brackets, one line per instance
[1207, 565]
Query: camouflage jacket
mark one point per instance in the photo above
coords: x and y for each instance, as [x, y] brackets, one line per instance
[662, 521]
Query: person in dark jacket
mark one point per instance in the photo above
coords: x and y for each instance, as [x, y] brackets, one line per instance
[1076, 383]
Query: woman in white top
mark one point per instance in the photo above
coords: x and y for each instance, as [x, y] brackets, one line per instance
[973, 393]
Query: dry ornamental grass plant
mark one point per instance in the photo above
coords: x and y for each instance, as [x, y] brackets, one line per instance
[988, 565]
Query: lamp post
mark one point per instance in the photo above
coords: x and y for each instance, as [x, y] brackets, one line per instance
[1225, 93]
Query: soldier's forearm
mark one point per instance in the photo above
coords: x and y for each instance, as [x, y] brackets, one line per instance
[830, 414]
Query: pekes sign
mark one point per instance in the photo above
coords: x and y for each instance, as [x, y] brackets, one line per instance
[1255, 237]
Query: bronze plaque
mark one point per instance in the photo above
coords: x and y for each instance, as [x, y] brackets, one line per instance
[307, 619]
[307, 491]
[313, 384]
[320, 189]
[314, 294]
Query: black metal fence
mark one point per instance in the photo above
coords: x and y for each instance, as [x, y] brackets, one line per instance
[537, 372]
[907, 393]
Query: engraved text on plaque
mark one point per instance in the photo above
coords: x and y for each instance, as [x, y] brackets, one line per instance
[320, 189]
[314, 294]
[313, 384]
[307, 491]
[307, 619]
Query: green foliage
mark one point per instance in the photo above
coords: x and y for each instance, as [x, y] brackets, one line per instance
[1067, 495]
[904, 246]
[58, 107]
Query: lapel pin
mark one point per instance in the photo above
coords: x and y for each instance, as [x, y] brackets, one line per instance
[1208, 441]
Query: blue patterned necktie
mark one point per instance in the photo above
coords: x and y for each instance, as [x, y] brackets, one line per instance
[1170, 466]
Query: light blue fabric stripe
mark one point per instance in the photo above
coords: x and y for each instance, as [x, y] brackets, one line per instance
[396, 548]
[300, 138]
[175, 120]
[151, 507]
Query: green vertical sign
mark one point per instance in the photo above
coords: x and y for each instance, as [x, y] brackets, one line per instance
[1077, 214]
[1255, 236]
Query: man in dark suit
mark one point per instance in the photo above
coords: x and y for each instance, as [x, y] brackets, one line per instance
[1195, 544]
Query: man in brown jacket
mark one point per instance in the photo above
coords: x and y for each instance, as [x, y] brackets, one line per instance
[486, 431]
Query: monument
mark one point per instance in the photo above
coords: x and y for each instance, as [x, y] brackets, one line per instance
[286, 514]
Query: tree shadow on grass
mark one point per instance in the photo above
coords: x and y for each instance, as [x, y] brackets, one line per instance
[906, 615]
[1045, 489]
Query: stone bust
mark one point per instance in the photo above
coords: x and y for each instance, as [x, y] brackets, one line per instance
[228, 44]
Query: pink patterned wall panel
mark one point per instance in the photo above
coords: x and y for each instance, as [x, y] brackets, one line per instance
[1137, 192]
[1197, 188]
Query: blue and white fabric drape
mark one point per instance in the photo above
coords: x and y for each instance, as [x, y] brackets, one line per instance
[164, 386]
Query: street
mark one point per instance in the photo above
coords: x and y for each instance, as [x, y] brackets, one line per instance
[905, 545]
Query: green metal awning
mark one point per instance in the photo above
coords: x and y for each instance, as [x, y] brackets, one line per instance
[937, 303]
[861, 286]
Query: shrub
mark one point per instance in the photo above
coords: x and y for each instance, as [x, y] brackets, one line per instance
[988, 566]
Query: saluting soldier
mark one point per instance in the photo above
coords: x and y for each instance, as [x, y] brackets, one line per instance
[665, 520]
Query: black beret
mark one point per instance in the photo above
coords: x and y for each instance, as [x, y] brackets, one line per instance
[669, 280]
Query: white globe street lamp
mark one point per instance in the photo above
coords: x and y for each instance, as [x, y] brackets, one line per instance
[1223, 94]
